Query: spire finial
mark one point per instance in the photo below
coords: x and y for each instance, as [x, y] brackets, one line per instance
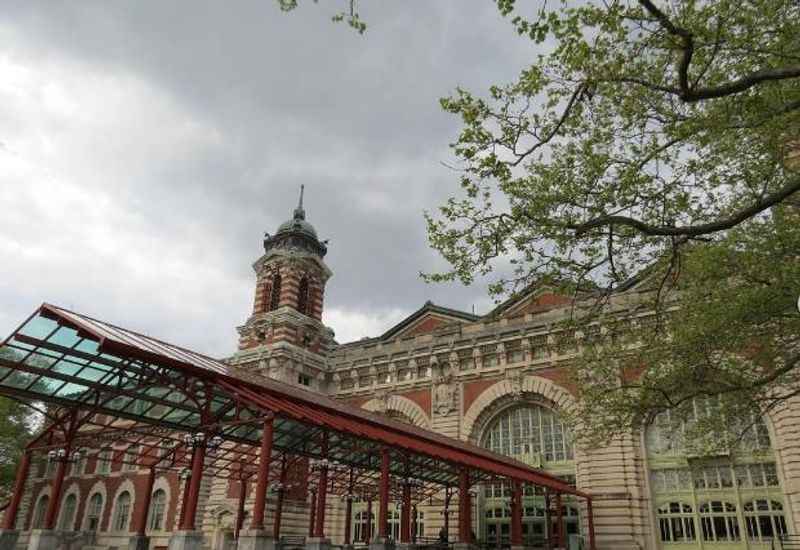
[299, 213]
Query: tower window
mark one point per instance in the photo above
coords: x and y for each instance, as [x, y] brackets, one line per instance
[304, 379]
[265, 300]
[302, 297]
[275, 295]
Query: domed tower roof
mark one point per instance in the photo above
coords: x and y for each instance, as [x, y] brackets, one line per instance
[296, 233]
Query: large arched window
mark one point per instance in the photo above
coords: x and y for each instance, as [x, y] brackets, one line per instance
[718, 521]
[40, 511]
[302, 296]
[529, 430]
[122, 512]
[676, 522]
[94, 512]
[275, 294]
[764, 520]
[158, 504]
[67, 520]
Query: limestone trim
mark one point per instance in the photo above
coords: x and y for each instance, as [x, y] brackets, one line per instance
[559, 397]
[402, 405]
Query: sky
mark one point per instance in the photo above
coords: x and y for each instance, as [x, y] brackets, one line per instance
[145, 148]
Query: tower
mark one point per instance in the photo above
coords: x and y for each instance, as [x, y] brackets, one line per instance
[284, 337]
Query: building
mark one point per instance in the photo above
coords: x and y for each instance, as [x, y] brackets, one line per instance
[496, 381]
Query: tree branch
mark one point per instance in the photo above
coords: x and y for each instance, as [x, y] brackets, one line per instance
[691, 230]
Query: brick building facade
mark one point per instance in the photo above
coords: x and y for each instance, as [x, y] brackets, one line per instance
[497, 381]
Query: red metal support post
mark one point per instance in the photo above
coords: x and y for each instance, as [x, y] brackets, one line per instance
[516, 514]
[448, 494]
[311, 520]
[590, 513]
[559, 523]
[141, 518]
[10, 519]
[276, 525]
[240, 508]
[548, 530]
[348, 510]
[405, 515]
[262, 480]
[464, 508]
[198, 459]
[184, 501]
[368, 530]
[414, 524]
[322, 492]
[55, 494]
[383, 509]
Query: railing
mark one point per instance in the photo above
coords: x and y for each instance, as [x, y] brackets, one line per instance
[787, 542]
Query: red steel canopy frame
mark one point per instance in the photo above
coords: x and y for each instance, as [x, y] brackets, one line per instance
[106, 383]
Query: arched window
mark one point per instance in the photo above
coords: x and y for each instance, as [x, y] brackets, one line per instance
[67, 521]
[764, 519]
[266, 296]
[131, 457]
[676, 522]
[121, 512]
[158, 504]
[530, 430]
[41, 510]
[302, 296]
[719, 522]
[275, 294]
[94, 512]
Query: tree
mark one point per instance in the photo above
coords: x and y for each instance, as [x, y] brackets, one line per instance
[17, 425]
[647, 142]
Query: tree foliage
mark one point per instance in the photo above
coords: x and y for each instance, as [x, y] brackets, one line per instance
[647, 141]
[17, 424]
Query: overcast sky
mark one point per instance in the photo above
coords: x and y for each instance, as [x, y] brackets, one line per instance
[145, 147]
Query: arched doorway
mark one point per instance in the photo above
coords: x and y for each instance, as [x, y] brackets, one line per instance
[532, 432]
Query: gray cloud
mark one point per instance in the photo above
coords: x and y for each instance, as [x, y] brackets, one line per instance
[148, 146]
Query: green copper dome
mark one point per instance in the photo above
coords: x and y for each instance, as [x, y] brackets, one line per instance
[296, 233]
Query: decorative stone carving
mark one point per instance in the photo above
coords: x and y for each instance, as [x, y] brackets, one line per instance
[382, 398]
[515, 379]
[444, 389]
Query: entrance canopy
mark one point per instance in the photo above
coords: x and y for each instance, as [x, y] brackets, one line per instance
[121, 386]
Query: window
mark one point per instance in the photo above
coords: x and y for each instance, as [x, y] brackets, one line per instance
[304, 379]
[364, 524]
[131, 457]
[67, 522]
[157, 506]
[676, 522]
[39, 513]
[530, 429]
[121, 512]
[94, 511]
[419, 530]
[275, 294]
[104, 461]
[764, 520]
[719, 522]
[302, 296]
[266, 296]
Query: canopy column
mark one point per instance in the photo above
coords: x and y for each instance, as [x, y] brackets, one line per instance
[9, 533]
[559, 524]
[140, 540]
[516, 515]
[348, 519]
[590, 514]
[187, 537]
[312, 520]
[240, 508]
[257, 538]
[276, 524]
[322, 492]
[382, 541]
[368, 530]
[405, 515]
[464, 510]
